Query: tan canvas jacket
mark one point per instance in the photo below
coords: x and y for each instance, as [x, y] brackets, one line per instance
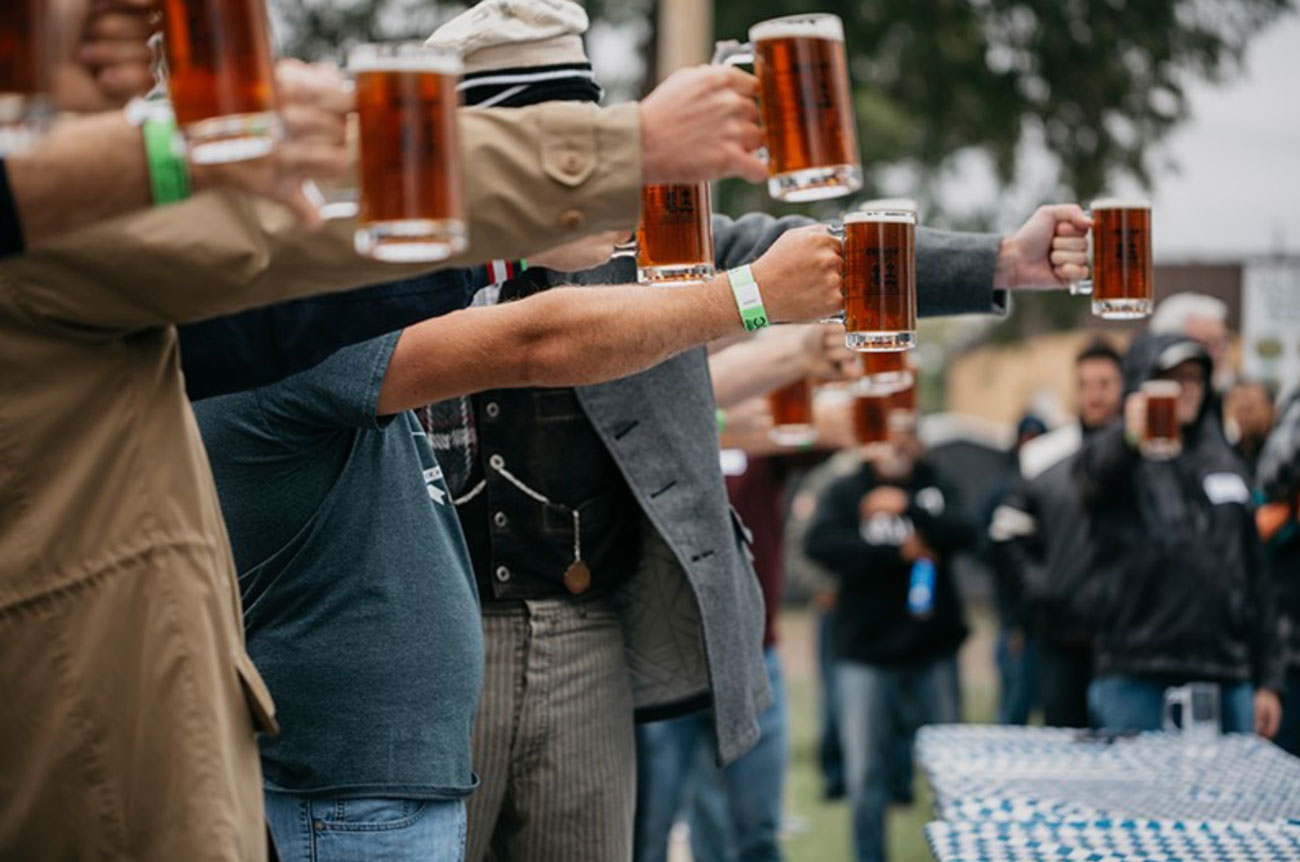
[126, 732]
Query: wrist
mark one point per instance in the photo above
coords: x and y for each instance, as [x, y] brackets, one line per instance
[748, 298]
[1007, 264]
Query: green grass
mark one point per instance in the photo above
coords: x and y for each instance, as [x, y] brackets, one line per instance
[821, 829]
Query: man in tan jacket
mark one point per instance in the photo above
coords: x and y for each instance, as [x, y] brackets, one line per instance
[133, 705]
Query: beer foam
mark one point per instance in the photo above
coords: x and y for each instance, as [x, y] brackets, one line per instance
[889, 204]
[881, 215]
[816, 26]
[412, 58]
[1162, 388]
[1120, 204]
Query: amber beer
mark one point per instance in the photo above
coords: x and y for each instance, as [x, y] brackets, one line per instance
[1122, 283]
[805, 104]
[674, 238]
[792, 414]
[1161, 437]
[880, 280]
[23, 107]
[871, 412]
[220, 77]
[411, 206]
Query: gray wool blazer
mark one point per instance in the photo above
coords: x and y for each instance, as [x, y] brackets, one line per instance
[693, 614]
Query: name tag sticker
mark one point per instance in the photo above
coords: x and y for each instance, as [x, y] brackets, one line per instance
[1226, 488]
[734, 462]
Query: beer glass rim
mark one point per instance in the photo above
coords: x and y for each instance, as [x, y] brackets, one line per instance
[889, 204]
[1120, 203]
[1162, 388]
[890, 216]
[404, 57]
[809, 25]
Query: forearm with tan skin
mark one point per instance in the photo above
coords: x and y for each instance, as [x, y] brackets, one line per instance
[779, 356]
[578, 336]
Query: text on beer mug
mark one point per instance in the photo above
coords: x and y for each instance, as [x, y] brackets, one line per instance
[674, 239]
[805, 105]
[880, 280]
[1123, 286]
[221, 79]
[411, 203]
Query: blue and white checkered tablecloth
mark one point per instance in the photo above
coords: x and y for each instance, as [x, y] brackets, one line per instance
[1009, 794]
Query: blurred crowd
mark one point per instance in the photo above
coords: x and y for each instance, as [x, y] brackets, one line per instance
[1118, 574]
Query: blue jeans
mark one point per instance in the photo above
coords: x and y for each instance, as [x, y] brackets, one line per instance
[881, 708]
[1288, 735]
[735, 813]
[1124, 702]
[310, 829]
[1018, 673]
[829, 755]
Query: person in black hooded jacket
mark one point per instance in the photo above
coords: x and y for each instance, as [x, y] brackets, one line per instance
[1181, 588]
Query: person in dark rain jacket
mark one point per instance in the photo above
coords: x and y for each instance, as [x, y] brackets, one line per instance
[1181, 589]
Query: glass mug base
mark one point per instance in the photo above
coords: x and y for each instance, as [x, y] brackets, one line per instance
[411, 240]
[675, 274]
[815, 184]
[793, 435]
[1161, 450]
[1122, 309]
[880, 342]
[889, 381]
[236, 138]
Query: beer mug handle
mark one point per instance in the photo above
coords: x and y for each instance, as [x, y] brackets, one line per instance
[1180, 697]
[835, 229]
[1083, 287]
[729, 52]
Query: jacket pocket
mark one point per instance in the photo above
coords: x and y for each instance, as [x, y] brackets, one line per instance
[256, 694]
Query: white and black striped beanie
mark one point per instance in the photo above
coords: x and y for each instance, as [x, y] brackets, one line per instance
[521, 52]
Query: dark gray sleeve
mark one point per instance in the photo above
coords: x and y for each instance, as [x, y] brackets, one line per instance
[954, 271]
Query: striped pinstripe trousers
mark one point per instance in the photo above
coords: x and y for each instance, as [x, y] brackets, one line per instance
[554, 744]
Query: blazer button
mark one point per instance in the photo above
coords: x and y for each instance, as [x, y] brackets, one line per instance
[503, 574]
[572, 219]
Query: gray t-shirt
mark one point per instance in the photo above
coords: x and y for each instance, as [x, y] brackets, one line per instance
[359, 600]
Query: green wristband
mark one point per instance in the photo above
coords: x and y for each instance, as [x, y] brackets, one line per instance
[169, 175]
[748, 300]
[721, 416]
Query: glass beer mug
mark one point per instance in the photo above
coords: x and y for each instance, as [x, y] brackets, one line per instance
[805, 105]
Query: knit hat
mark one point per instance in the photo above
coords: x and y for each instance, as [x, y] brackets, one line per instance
[521, 52]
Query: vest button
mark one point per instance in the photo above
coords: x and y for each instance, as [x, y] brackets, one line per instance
[493, 410]
[503, 574]
[496, 462]
[499, 519]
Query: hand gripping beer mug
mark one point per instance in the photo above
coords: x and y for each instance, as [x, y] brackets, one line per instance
[805, 105]
[1161, 436]
[411, 206]
[1122, 285]
[674, 238]
[24, 107]
[792, 414]
[880, 280]
[221, 79]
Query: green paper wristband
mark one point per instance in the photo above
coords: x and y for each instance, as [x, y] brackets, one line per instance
[748, 300]
[721, 416]
[169, 176]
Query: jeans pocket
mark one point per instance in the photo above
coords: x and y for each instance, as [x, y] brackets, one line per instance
[367, 815]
